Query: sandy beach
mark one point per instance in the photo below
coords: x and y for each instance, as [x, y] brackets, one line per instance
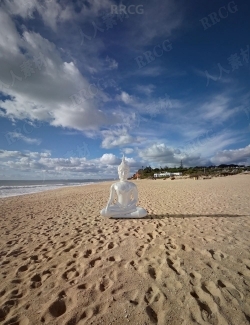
[187, 262]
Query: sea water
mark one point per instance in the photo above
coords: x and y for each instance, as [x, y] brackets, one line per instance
[21, 187]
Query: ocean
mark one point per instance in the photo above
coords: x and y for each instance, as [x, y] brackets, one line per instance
[22, 187]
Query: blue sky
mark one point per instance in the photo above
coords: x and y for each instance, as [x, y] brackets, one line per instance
[84, 82]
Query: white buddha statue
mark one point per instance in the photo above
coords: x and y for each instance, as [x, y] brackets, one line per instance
[127, 197]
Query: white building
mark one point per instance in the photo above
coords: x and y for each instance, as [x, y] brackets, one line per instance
[167, 174]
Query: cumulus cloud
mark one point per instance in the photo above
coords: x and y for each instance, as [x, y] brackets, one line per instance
[39, 85]
[5, 154]
[117, 138]
[109, 159]
[160, 154]
[35, 162]
[234, 156]
[128, 150]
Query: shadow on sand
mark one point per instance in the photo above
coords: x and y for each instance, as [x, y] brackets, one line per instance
[164, 216]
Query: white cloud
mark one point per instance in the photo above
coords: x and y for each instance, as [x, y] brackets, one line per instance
[117, 138]
[125, 98]
[14, 136]
[51, 11]
[234, 156]
[34, 163]
[217, 109]
[128, 150]
[160, 154]
[5, 154]
[109, 159]
[146, 89]
[159, 20]
[111, 63]
[209, 142]
[53, 91]
[149, 71]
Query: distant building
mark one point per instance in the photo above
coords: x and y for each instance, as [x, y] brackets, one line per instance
[167, 174]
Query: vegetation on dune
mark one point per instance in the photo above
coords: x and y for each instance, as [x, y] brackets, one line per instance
[197, 171]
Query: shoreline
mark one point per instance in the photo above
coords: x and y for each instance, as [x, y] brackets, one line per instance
[136, 181]
[49, 189]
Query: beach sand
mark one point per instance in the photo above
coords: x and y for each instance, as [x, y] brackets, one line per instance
[188, 262]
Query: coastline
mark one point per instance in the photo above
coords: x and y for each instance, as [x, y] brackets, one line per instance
[187, 262]
[42, 187]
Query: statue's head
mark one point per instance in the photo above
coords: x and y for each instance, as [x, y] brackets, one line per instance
[123, 170]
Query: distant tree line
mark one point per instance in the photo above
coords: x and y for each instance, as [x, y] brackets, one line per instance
[148, 171]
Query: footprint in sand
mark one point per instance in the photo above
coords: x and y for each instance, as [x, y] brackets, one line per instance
[45, 275]
[186, 248]
[133, 264]
[105, 284]
[211, 288]
[171, 246]
[152, 315]
[208, 310]
[18, 320]
[152, 296]
[63, 303]
[114, 259]
[21, 270]
[16, 294]
[36, 281]
[229, 287]
[95, 262]
[176, 265]
[6, 308]
[195, 278]
[70, 274]
[111, 245]
[217, 255]
[151, 236]
[141, 250]
[152, 272]
[69, 248]
[87, 253]
[90, 312]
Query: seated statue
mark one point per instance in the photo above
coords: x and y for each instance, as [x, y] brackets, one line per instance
[127, 197]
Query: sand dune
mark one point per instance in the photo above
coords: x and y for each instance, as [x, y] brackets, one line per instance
[188, 262]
